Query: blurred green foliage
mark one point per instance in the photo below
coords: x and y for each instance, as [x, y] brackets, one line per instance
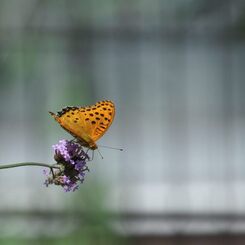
[92, 223]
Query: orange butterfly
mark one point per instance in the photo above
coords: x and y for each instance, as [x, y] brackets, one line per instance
[87, 124]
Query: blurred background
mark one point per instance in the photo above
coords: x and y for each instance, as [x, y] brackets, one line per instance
[175, 70]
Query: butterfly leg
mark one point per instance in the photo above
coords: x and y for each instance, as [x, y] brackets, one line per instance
[74, 140]
[100, 154]
[92, 157]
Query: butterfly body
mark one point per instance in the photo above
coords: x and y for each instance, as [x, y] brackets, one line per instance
[87, 124]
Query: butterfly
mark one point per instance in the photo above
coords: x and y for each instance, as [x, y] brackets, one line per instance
[87, 124]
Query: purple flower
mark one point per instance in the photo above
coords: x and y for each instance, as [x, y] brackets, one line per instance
[72, 162]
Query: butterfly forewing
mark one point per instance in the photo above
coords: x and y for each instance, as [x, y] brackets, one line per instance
[103, 115]
[89, 123]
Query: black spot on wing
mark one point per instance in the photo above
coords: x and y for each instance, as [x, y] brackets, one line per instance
[66, 110]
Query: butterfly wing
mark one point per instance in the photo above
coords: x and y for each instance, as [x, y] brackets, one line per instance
[103, 116]
[87, 124]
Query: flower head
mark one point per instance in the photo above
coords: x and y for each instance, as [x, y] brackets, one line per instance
[72, 162]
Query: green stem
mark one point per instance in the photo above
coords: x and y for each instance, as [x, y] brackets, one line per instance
[21, 164]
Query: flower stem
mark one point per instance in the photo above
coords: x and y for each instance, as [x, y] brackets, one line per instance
[21, 164]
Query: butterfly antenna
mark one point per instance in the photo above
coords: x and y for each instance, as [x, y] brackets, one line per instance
[109, 147]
